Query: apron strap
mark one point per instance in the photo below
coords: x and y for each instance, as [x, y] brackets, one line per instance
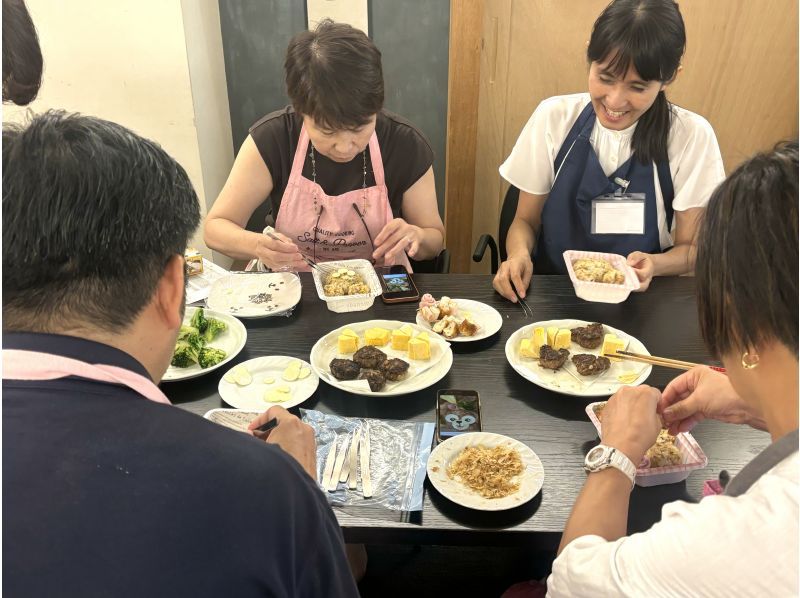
[766, 460]
[586, 117]
[667, 190]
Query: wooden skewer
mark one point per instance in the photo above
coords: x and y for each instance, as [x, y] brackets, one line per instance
[661, 361]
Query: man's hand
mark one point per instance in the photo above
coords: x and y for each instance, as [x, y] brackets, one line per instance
[630, 421]
[514, 273]
[292, 435]
[642, 264]
[701, 393]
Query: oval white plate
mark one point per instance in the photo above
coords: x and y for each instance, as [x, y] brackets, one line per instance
[427, 373]
[251, 397]
[530, 482]
[255, 295]
[232, 341]
[486, 317]
[567, 380]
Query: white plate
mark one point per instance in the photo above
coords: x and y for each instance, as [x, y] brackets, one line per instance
[530, 482]
[567, 380]
[421, 374]
[255, 295]
[231, 340]
[486, 317]
[251, 397]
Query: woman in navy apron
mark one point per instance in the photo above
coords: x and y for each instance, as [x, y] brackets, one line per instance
[618, 170]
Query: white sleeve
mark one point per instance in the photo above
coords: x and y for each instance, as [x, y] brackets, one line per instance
[723, 546]
[695, 161]
[529, 167]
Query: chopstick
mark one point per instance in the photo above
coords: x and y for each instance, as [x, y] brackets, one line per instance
[366, 478]
[307, 260]
[523, 305]
[666, 362]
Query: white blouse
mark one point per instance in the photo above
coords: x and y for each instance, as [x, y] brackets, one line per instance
[723, 546]
[695, 160]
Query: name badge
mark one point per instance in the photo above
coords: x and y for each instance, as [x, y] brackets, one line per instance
[618, 214]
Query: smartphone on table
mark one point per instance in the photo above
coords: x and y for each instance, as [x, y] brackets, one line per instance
[397, 284]
[457, 412]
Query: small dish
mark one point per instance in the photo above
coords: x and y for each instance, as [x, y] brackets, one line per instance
[255, 294]
[486, 317]
[250, 397]
[602, 292]
[348, 303]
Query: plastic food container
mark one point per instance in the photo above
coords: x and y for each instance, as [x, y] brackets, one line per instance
[602, 292]
[692, 457]
[347, 303]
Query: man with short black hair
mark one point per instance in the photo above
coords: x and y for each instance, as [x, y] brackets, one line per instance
[106, 492]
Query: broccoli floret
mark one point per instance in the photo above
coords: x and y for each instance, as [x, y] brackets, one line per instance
[185, 354]
[199, 320]
[210, 356]
[191, 335]
[185, 331]
[213, 328]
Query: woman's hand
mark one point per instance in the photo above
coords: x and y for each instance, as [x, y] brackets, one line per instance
[701, 393]
[278, 255]
[642, 264]
[514, 273]
[630, 421]
[398, 235]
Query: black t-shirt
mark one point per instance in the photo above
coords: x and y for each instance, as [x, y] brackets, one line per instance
[405, 151]
[106, 493]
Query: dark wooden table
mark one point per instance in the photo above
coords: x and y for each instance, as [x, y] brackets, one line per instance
[555, 426]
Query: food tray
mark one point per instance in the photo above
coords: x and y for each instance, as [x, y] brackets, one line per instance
[692, 457]
[349, 303]
[602, 292]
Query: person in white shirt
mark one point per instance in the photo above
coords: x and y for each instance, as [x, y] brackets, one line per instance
[618, 169]
[745, 541]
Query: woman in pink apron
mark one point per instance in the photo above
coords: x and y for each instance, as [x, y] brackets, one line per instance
[359, 184]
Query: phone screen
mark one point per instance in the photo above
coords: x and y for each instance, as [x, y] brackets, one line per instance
[397, 283]
[458, 412]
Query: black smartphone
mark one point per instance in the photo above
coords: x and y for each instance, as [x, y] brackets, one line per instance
[457, 412]
[397, 284]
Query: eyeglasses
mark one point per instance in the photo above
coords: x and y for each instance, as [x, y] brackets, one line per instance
[321, 209]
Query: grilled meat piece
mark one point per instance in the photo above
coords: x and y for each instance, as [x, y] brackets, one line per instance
[344, 369]
[395, 369]
[375, 378]
[590, 365]
[369, 357]
[588, 337]
[550, 358]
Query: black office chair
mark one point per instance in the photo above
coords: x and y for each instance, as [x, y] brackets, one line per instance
[507, 214]
[438, 265]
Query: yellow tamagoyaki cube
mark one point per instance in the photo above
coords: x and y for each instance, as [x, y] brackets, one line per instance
[612, 344]
[348, 341]
[376, 336]
[551, 335]
[400, 338]
[538, 339]
[526, 349]
[562, 340]
[419, 347]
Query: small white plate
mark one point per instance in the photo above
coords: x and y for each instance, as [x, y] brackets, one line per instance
[530, 481]
[255, 295]
[251, 397]
[567, 380]
[485, 316]
[231, 340]
[421, 374]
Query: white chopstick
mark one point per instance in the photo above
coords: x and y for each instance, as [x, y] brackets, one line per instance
[337, 468]
[366, 478]
[329, 462]
[352, 481]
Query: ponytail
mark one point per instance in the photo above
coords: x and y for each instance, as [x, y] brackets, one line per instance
[649, 142]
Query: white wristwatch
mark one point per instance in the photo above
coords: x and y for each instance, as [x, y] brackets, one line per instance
[602, 457]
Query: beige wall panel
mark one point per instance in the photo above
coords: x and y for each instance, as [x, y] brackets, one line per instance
[491, 121]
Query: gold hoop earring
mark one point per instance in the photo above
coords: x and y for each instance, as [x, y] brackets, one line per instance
[750, 362]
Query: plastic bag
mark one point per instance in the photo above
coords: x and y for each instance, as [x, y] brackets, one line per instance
[398, 455]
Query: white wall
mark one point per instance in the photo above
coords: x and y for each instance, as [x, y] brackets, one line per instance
[353, 12]
[154, 66]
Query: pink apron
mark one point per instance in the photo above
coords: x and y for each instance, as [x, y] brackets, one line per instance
[34, 365]
[309, 217]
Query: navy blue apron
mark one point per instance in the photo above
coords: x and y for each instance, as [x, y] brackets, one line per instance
[567, 213]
